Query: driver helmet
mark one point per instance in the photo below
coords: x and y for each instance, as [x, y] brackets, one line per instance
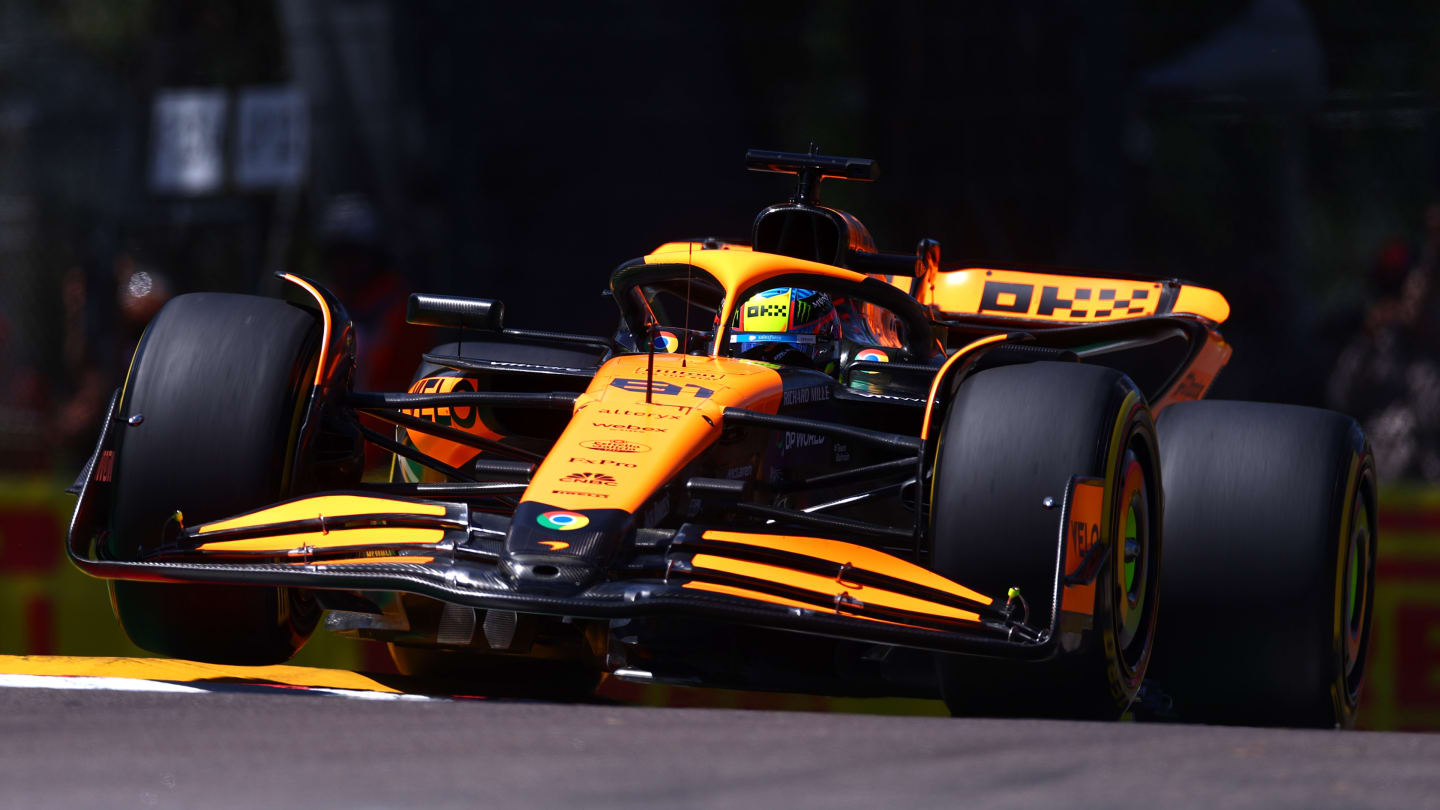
[782, 318]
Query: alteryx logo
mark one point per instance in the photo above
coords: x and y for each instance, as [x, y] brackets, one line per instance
[563, 521]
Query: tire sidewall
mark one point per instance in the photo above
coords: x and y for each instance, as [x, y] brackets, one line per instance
[1125, 669]
[1357, 504]
[183, 456]
[1264, 500]
[1106, 417]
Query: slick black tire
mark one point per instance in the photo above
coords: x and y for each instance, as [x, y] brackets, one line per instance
[1270, 531]
[218, 386]
[1012, 437]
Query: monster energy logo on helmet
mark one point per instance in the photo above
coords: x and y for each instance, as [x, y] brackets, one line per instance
[781, 309]
[792, 316]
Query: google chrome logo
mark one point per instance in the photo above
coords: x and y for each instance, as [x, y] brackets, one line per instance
[667, 342]
[873, 355]
[563, 521]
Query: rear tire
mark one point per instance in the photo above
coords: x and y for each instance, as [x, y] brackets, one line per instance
[1014, 436]
[219, 383]
[1270, 525]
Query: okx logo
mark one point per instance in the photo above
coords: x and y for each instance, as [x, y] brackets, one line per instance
[561, 520]
[593, 478]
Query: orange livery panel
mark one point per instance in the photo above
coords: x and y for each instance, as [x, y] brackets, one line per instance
[1082, 533]
[461, 418]
[619, 448]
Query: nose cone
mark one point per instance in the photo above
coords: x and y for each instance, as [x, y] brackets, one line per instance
[562, 551]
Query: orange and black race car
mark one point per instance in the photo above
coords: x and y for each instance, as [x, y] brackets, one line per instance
[800, 464]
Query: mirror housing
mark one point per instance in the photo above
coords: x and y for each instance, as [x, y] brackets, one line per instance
[483, 314]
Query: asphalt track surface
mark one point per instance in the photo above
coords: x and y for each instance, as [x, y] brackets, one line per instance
[249, 746]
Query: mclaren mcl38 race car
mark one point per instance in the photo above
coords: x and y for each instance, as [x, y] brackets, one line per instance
[799, 463]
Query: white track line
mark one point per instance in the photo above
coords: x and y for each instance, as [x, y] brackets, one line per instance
[87, 682]
[84, 682]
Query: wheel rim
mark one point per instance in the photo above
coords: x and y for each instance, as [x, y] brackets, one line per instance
[1135, 566]
[1356, 596]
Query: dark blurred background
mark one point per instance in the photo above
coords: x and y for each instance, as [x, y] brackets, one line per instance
[1284, 152]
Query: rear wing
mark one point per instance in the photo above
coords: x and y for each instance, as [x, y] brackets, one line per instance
[1051, 298]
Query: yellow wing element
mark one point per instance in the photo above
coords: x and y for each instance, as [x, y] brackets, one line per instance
[331, 506]
[1062, 299]
[1203, 302]
[827, 576]
[1044, 297]
[327, 522]
[338, 538]
[830, 589]
[852, 555]
[746, 593]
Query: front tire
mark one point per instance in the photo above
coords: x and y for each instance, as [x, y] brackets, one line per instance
[1012, 437]
[1270, 581]
[218, 387]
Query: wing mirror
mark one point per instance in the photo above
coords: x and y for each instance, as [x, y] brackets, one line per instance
[484, 314]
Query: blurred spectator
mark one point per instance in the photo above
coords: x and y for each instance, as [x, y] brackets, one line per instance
[1388, 374]
[22, 405]
[97, 364]
[359, 269]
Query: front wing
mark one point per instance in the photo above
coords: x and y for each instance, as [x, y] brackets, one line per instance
[447, 551]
